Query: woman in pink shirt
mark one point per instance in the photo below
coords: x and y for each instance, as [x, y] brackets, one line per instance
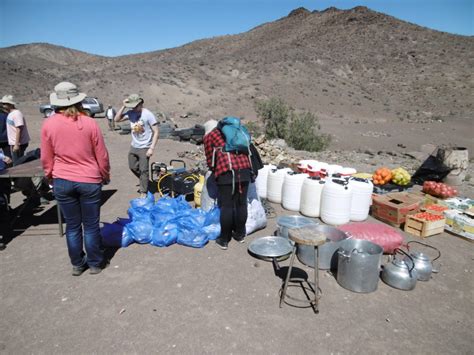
[76, 160]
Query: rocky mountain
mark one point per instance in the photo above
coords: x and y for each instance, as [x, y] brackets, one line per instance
[353, 66]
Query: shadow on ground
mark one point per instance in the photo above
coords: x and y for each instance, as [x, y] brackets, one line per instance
[31, 213]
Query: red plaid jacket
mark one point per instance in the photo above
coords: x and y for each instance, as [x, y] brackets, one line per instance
[220, 161]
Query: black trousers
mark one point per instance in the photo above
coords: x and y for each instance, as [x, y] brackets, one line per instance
[233, 208]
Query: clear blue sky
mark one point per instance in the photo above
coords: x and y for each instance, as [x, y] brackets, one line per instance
[117, 27]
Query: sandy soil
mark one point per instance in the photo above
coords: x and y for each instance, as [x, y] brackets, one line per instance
[184, 300]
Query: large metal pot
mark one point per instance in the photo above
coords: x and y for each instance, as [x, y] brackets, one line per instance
[327, 252]
[286, 223]
[358, 265]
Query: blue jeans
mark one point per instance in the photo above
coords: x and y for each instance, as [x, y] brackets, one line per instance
[80, 205]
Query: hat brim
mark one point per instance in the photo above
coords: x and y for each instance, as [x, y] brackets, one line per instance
[8, 102]
[132, 104]
[55, 101]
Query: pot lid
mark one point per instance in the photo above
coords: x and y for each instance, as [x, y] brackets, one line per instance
[270, 247]
[294, 221]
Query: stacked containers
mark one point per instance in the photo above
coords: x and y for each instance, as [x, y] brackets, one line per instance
[316, 167]
[311, 191]
[291, 190]
[275, 184]
[261, 180]
[333, 169]
[346, 171]
[361, 198]
[303, 165]
[336, 202]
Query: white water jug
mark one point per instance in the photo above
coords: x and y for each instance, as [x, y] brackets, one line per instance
[303, 165]
[336, 202]
[275, 184]
[310, 204]
[361, 198]
[334, 169]
[261, 180]
[291, 190]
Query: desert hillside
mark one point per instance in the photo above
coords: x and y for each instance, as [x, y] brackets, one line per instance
[365, 74]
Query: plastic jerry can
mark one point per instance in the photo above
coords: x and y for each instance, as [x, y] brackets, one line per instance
[198, 190]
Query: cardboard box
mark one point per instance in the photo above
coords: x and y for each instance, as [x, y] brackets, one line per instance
[423, 228]
[393, 208]
[460, 224]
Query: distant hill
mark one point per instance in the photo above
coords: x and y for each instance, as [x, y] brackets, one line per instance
[339, 64]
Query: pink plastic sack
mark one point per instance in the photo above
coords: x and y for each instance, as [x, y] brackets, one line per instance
[381, 234]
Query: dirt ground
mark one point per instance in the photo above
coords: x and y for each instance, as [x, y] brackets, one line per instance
[184, 300]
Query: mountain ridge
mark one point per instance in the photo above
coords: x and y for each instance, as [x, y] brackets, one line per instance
[343, 65]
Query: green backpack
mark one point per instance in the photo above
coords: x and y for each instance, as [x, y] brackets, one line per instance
[237, 137]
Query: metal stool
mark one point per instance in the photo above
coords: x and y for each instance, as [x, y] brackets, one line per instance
[304, 236]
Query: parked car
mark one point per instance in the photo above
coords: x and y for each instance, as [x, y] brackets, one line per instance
[91, 106]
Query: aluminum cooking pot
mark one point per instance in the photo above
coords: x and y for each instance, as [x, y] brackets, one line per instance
[400, 273]
[327, 251]
[286, 223]
[358, 265]
[423, 264]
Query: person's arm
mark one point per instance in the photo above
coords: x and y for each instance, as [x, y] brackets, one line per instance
[119, 115]
[156, 133]
[208, 150]
[101, 155]
[16, 147]
[47, 154]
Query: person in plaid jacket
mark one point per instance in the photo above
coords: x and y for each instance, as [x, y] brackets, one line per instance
[233, 174]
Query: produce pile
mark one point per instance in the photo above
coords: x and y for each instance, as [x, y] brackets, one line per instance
[436, 208]
[384, 175]
[438, 189]
[426, 216]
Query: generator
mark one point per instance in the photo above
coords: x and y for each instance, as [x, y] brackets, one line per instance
[173, 180]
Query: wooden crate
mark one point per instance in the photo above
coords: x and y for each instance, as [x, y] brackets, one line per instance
[392, 208]
[422, 228]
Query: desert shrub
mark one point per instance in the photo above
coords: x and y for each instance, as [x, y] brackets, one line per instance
[299, 130]
[303, 134]
[275, 114]
[254, 128]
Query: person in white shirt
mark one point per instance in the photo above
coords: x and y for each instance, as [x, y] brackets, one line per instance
[18, 137]
[144, 137]
[110, 115]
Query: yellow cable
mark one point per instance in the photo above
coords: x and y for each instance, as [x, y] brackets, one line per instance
[192, 176]
[159, 181]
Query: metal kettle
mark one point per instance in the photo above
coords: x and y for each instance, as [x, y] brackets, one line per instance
[423, 264]
[400, 273]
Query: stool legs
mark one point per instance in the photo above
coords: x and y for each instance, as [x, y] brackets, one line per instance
[285, 285]
[314, 303]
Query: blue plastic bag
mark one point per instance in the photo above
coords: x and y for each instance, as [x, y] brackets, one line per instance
[212, 231]
[147, 203]
[190, 231]
[213, 216]
[158, 218]
[126, 238]
[140, 229]
[140, 207]
[164, 235]
[192, 238]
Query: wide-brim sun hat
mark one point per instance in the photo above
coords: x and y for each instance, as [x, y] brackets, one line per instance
[66, 94]
[8, 99]
[133, 101]
[209, 126]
